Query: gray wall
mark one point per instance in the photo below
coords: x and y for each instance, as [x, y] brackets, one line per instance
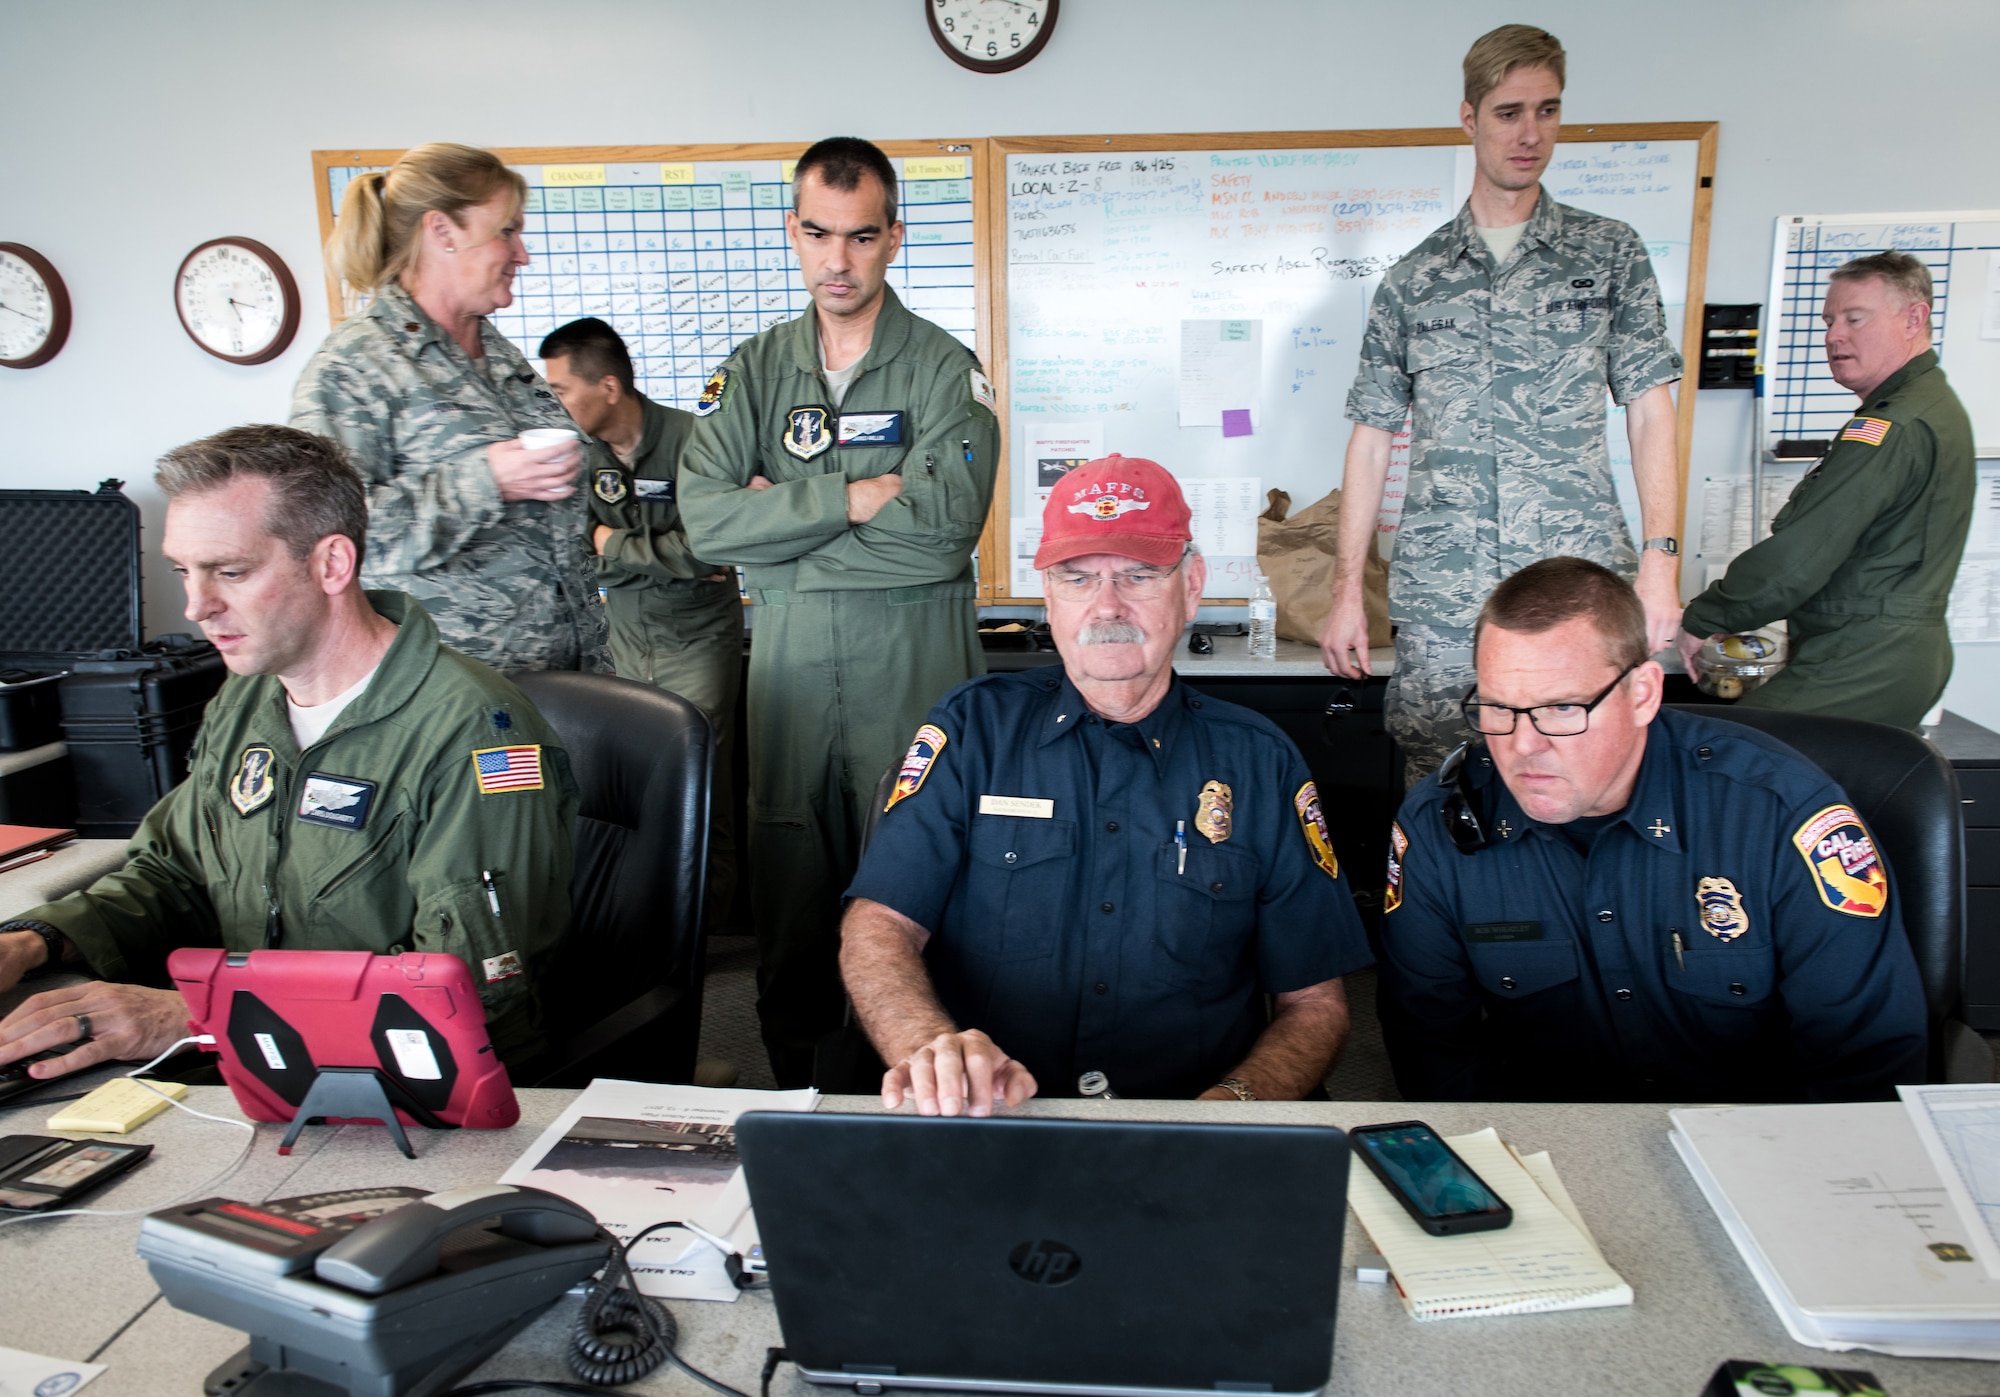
[144, 127]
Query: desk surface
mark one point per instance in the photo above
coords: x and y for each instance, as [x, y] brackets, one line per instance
[74, 1288]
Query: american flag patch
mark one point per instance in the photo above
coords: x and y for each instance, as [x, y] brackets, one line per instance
[1868, 429]
[508, 769]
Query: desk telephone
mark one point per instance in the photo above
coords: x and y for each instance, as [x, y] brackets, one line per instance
[375, 1292]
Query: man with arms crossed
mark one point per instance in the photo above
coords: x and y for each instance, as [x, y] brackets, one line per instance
[845, 461]
[356, 785]
[1608, 901]
[1861, 559]
[676, 621]
[1500, 332]
[1101, 870]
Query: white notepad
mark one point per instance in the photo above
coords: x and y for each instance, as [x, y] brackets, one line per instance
[1546, 1260]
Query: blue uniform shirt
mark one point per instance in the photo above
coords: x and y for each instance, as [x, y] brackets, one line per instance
[1532, 971]
[1035, 842]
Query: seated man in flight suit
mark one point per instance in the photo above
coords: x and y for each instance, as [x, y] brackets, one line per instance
[1097, 869]
[356, 785]
[1606, 901]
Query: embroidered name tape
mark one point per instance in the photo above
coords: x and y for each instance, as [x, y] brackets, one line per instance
[1026, 806]
[338, 802]
[654, 490]
[501, 769]
[871, 429]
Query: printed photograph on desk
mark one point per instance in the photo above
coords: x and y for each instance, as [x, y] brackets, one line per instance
[640, 1153]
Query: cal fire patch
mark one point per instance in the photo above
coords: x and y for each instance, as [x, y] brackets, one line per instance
[917, 761]
[1399, 844]
[1313, 822]
[1840, 854]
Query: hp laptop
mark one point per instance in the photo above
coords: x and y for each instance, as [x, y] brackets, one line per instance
[1050, 1256]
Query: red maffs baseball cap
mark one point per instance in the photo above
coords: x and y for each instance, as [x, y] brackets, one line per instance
[1120, 504]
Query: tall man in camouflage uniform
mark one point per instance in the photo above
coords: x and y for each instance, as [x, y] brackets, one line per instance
[1499, 333]
[675, 621]
[845, 460]
[1862, 557]
[356, 786]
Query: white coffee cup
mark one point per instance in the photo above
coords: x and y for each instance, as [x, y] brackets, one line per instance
[542, 438]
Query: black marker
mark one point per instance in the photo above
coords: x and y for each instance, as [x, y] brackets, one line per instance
[492, 893]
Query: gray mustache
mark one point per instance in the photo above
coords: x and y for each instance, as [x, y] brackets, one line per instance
[1110, 633]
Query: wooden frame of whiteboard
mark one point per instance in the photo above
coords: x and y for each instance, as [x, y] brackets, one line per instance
[995, 572]
[976, 152]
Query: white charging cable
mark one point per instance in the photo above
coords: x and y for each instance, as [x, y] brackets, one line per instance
[248, 1129]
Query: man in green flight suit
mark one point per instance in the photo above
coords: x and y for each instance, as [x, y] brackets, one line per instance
[675, 621]
[1861, 559]
[845, 460]
[356, 786]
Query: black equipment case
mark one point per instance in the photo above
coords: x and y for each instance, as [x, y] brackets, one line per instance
[129, 709]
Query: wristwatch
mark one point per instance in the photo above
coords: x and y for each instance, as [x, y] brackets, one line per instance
[1242, 1092]
[52, 942]
[1669, 546]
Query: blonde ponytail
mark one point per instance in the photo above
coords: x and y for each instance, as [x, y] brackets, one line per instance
[382, 213]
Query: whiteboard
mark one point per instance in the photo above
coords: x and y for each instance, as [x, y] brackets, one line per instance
[1962, 251]
[1204, 307]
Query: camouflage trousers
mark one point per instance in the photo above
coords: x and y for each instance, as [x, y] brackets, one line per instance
[1433, 673]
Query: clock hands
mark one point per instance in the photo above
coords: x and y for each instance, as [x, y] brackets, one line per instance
[11, 311]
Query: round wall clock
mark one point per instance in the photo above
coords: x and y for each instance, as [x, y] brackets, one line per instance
[991, 36]
[237, 300]
[34, 308]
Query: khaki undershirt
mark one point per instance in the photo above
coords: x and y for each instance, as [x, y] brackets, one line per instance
[1502, 241]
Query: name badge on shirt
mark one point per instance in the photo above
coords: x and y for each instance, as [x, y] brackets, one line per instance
[1490, 932]
[1018, 805]
[659, 491]
[871, 429]
[337, 801]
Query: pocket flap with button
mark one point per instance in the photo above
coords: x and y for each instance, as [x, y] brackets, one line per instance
[1226, 875]
[1737, 978]
[1018, 841]
[1511, 969]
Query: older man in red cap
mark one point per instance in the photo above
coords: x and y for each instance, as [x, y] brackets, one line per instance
[1098, 870]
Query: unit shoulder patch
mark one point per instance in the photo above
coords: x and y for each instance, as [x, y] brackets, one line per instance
[1868, 429]
[929, 741]
[1841, 857]
[1312, 821]
[808, 431]
[711, 393]
[499, 770]
[1399, 845]
[608, 485]
[983, 394]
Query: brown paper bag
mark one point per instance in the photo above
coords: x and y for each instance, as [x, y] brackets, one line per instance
[1297, 554]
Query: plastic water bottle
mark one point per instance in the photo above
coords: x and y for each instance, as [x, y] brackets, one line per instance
[1263, 621]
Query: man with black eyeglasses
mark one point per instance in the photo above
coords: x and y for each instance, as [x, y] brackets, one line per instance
[1097, 869]
[1598, 900]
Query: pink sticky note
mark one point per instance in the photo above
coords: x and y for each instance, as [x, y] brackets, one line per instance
[1236, 421]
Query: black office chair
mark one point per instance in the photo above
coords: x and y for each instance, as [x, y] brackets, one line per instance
[624, 996]
[1906, 792]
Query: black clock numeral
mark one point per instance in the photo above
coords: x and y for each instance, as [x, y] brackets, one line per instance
[992, 48]
[948, 25]
[1014, 40]
[1033, 22]
[968, 43]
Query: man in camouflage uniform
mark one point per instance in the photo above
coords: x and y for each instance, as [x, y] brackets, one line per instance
[845, 460]
[1861, 559]
[509, 582]
[357, 786]
[1499, 334]
[675, 621]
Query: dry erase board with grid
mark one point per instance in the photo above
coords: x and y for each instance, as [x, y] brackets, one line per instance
[1962, 251]
[682, 249]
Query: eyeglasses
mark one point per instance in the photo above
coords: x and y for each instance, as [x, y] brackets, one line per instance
[1549, 719]
[1135, 584]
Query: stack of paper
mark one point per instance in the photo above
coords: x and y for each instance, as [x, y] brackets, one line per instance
[1546, 1260]
[638, 1153]
[1844, 1221]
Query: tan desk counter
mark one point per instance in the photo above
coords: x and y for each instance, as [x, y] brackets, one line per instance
[1696, 1303]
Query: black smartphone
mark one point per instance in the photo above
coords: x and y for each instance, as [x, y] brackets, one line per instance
[1427, 1177]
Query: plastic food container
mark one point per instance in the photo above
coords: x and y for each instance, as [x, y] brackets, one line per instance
[1730, 666]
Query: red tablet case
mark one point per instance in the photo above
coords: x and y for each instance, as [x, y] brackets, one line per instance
[280, 1016]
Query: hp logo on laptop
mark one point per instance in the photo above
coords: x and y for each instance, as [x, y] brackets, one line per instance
[1045, 1263]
